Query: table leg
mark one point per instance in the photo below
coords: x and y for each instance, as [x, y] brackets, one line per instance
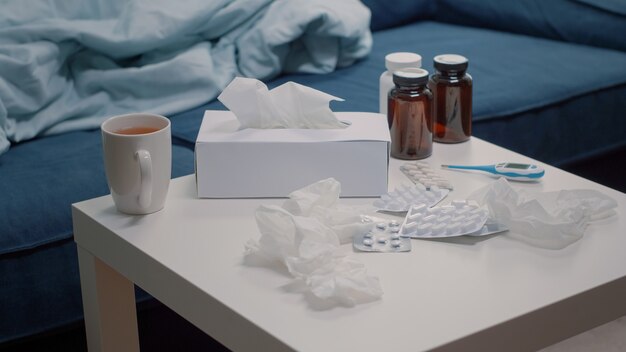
[109, 306]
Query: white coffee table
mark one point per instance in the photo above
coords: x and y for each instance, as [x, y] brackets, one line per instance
[464, 294]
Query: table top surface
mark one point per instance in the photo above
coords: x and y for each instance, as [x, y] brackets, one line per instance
[439, 292]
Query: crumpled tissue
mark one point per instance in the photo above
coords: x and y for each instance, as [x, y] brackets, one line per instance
[552, 220]
[305, 235]
[290, 105]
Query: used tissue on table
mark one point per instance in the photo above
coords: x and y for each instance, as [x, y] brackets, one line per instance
[551, 220]
[304, 235]
[235, 162]
[290, 105]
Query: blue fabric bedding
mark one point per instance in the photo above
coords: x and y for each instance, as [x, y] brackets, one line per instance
[68, 65]
[589, 22]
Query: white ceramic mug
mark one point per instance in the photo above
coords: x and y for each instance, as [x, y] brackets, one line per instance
[138, 161]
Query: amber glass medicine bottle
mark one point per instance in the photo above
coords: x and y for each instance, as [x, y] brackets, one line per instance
[409, 112]
[452, 89]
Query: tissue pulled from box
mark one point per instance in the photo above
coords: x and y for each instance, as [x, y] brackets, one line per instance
[305, 235]
[290, 105]
[552, 220]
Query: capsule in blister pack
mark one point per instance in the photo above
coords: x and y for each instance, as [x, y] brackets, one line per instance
[460, 218]
[420, 172]
[401, 199]
[384, 237]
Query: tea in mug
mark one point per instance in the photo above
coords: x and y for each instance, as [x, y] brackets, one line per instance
[137, 130]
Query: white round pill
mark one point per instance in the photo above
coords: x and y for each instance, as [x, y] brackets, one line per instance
[396, 243]
[418, 208]
[444, 219]
[395, 236]
[381, 226]
[447, 209]
[459, 218]
[381, 240]
[414, 217]
[368, 242]
[423, 227]
[429, 218]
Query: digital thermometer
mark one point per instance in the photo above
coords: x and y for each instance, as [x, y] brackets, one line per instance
[512, 171]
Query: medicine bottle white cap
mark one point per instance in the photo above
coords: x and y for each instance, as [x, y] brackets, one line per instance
[396, 61]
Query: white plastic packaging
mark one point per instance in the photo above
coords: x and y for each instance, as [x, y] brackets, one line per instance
[401, 198]
[384, 237]
[421, 172]
[394, 62]
[460, 218]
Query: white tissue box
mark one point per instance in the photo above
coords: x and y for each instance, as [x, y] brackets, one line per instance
[255, 163]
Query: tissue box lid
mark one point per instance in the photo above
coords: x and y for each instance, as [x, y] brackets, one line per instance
[265, 163]
[222, 126]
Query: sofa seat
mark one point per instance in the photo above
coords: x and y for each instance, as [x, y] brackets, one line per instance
[544, 88]
[39, 282]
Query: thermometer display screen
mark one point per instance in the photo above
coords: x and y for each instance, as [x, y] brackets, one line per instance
[517, 166]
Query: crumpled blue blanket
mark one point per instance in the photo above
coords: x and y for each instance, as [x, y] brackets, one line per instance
[68, 65]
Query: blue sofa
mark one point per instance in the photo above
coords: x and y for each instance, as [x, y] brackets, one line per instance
[549, 82]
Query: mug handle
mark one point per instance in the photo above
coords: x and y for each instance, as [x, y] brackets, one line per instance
[145, 170]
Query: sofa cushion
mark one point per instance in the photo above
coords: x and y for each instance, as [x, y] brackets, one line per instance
[589, 22]
[386, 14]
[514, 76]
[616, 7]
[40, 179]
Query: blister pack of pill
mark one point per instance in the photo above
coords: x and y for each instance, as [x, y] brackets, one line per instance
[459, 218]
[420, 172]
[384, 237]
[401, 198]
